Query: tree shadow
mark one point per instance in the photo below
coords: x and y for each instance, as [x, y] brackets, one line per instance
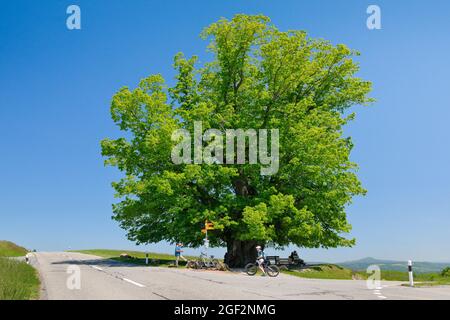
[121, 262]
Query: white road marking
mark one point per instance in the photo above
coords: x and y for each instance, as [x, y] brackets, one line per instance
[133, 282]
[377, 292]
[97, 268]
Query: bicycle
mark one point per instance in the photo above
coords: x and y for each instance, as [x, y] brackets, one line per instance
[205, 262]
[270, 270]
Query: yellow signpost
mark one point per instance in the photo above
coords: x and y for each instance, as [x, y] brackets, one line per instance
[208, 226]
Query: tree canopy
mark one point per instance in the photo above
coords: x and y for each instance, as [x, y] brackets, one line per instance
[259, 77]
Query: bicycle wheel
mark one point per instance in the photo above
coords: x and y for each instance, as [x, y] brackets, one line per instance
[251, 269]
[273, 271]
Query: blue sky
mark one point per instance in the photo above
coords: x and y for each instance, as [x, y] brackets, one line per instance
[56, 84]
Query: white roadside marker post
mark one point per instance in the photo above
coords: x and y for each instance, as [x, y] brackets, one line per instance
[146, 258]
[410, 273]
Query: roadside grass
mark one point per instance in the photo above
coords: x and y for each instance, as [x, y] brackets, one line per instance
[9, 249]
[420, 279]
[392, 275]
[325, 271]
[387, 275]
[437, 282]
[18, 280]
[137, 257]
[330, 271]
[430, 280]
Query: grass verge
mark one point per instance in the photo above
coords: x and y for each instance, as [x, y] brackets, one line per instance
[330, 271]
[430, 280]
[18, 280]
[443, 282]
[326, 271]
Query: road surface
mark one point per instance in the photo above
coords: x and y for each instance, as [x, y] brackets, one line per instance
[106, 279]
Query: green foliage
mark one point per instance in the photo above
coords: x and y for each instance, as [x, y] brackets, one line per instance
[260, 77]
[9, 249]
[446, 272]
[18, 280]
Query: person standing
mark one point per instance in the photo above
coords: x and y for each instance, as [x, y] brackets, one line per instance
[178, 255]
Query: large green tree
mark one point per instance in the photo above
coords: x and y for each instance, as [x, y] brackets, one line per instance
[259, 77]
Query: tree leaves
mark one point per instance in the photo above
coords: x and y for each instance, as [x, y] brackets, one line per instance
[260, 77]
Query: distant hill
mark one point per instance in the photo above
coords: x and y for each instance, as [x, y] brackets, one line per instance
[419, 267]
[9, 249]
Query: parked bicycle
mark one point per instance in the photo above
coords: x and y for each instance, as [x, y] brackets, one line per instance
[270, 270]
[205, 262]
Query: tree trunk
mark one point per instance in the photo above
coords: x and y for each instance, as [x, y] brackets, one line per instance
[239, 253]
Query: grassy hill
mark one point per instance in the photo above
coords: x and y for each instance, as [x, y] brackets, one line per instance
[391, 265]
[9, 249]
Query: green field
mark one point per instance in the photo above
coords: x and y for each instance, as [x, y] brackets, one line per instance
[9, 249]
[137, 257]
[326, 271]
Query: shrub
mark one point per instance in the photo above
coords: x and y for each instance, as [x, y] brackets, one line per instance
[446, 272]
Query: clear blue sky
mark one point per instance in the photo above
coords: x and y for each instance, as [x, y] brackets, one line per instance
[56, 84]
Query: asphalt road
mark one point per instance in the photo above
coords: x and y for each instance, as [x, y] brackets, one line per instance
[106, 279]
